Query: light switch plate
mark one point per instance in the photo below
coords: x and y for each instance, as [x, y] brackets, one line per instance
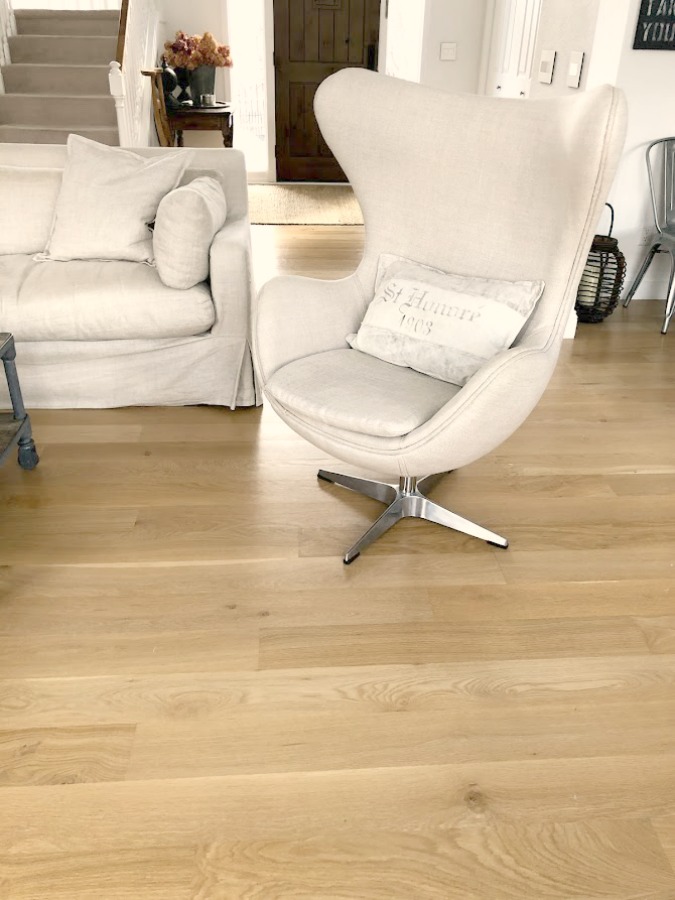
[575, 67]
[546, 66]
[448, 51]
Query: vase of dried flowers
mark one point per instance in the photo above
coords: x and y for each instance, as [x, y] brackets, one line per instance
[195, 59]
[202, 80]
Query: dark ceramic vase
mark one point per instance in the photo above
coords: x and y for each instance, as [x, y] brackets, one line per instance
[202, 81]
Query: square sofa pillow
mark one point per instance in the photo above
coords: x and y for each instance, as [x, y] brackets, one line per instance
[186, 223]
[107, 199]
[444, 325]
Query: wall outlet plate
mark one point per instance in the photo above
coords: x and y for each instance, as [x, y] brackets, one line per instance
[448, 51]
[546, 66]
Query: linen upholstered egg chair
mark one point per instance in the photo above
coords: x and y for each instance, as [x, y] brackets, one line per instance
[505, 189]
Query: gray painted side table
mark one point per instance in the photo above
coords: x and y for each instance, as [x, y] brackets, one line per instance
[15, 426]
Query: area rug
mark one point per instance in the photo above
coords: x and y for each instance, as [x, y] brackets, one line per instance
[303, 204]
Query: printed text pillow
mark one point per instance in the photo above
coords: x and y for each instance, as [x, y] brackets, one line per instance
[444, 325]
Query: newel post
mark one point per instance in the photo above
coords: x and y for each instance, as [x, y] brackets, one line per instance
[116, 82]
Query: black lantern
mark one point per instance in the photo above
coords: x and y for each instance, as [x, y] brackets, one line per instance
[602, 279]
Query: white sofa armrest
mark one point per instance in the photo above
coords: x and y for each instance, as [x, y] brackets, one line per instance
[231, 276]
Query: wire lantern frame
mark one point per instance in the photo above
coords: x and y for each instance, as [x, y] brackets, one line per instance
[602, 279]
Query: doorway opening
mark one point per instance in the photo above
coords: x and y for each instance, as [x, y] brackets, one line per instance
[249, 78]
[312, 40]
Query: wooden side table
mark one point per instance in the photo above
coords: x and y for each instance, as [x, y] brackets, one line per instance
[15, 426]
[202, 118]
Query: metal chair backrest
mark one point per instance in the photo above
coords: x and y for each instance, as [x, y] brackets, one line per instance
[663, 195]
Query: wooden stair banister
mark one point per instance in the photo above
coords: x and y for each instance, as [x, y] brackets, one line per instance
[122, 31]
[136, 53]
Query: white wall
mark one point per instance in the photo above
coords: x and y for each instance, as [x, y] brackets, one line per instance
[564, 25]
[249, 84]
[195, 17]
[412, 34]
[405, 39]
[647, 78]
[605, 58]
[453, 21]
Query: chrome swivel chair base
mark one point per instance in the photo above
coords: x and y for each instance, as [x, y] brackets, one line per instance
[407, 500]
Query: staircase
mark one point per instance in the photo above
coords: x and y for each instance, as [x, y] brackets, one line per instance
[57, 81]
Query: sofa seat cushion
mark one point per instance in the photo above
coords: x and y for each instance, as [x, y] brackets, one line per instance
[90, 300]
[351, 390]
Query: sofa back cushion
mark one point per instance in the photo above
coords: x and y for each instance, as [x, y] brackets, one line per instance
[27, 201]
[187, 221]
[228, 164]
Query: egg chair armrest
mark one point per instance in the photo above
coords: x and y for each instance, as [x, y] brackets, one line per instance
[488, 409]
[519, 376]
[295, 317]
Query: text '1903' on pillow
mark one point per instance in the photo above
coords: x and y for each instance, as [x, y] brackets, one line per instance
[444, 325]
[187, 221]
[107, 199]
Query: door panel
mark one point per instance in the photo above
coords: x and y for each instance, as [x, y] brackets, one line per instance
[313, 39]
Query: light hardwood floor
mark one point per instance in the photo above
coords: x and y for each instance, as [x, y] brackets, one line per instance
[200, 701]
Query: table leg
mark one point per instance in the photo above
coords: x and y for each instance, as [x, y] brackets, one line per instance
[179, 137]
[8, 360]
[228, 132]
[28, 457]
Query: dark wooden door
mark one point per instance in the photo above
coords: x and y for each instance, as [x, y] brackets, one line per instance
[313, 39]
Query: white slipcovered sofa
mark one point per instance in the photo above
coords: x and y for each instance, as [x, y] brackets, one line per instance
[106, 333]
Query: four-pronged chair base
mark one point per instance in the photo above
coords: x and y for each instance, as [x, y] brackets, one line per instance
[406, 500]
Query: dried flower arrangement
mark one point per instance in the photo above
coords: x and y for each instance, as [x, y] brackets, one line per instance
[190, 51]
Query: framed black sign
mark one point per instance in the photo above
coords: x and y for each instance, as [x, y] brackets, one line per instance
[656, 26]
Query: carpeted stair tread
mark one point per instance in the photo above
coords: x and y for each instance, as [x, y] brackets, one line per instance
[80, 67]
[45, 95]
[62, 80]
[51, 48]
[57, 111]
[58, 78]
[40, 134]
[67, 22]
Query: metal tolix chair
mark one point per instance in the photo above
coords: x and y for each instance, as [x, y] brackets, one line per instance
[663, 206]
